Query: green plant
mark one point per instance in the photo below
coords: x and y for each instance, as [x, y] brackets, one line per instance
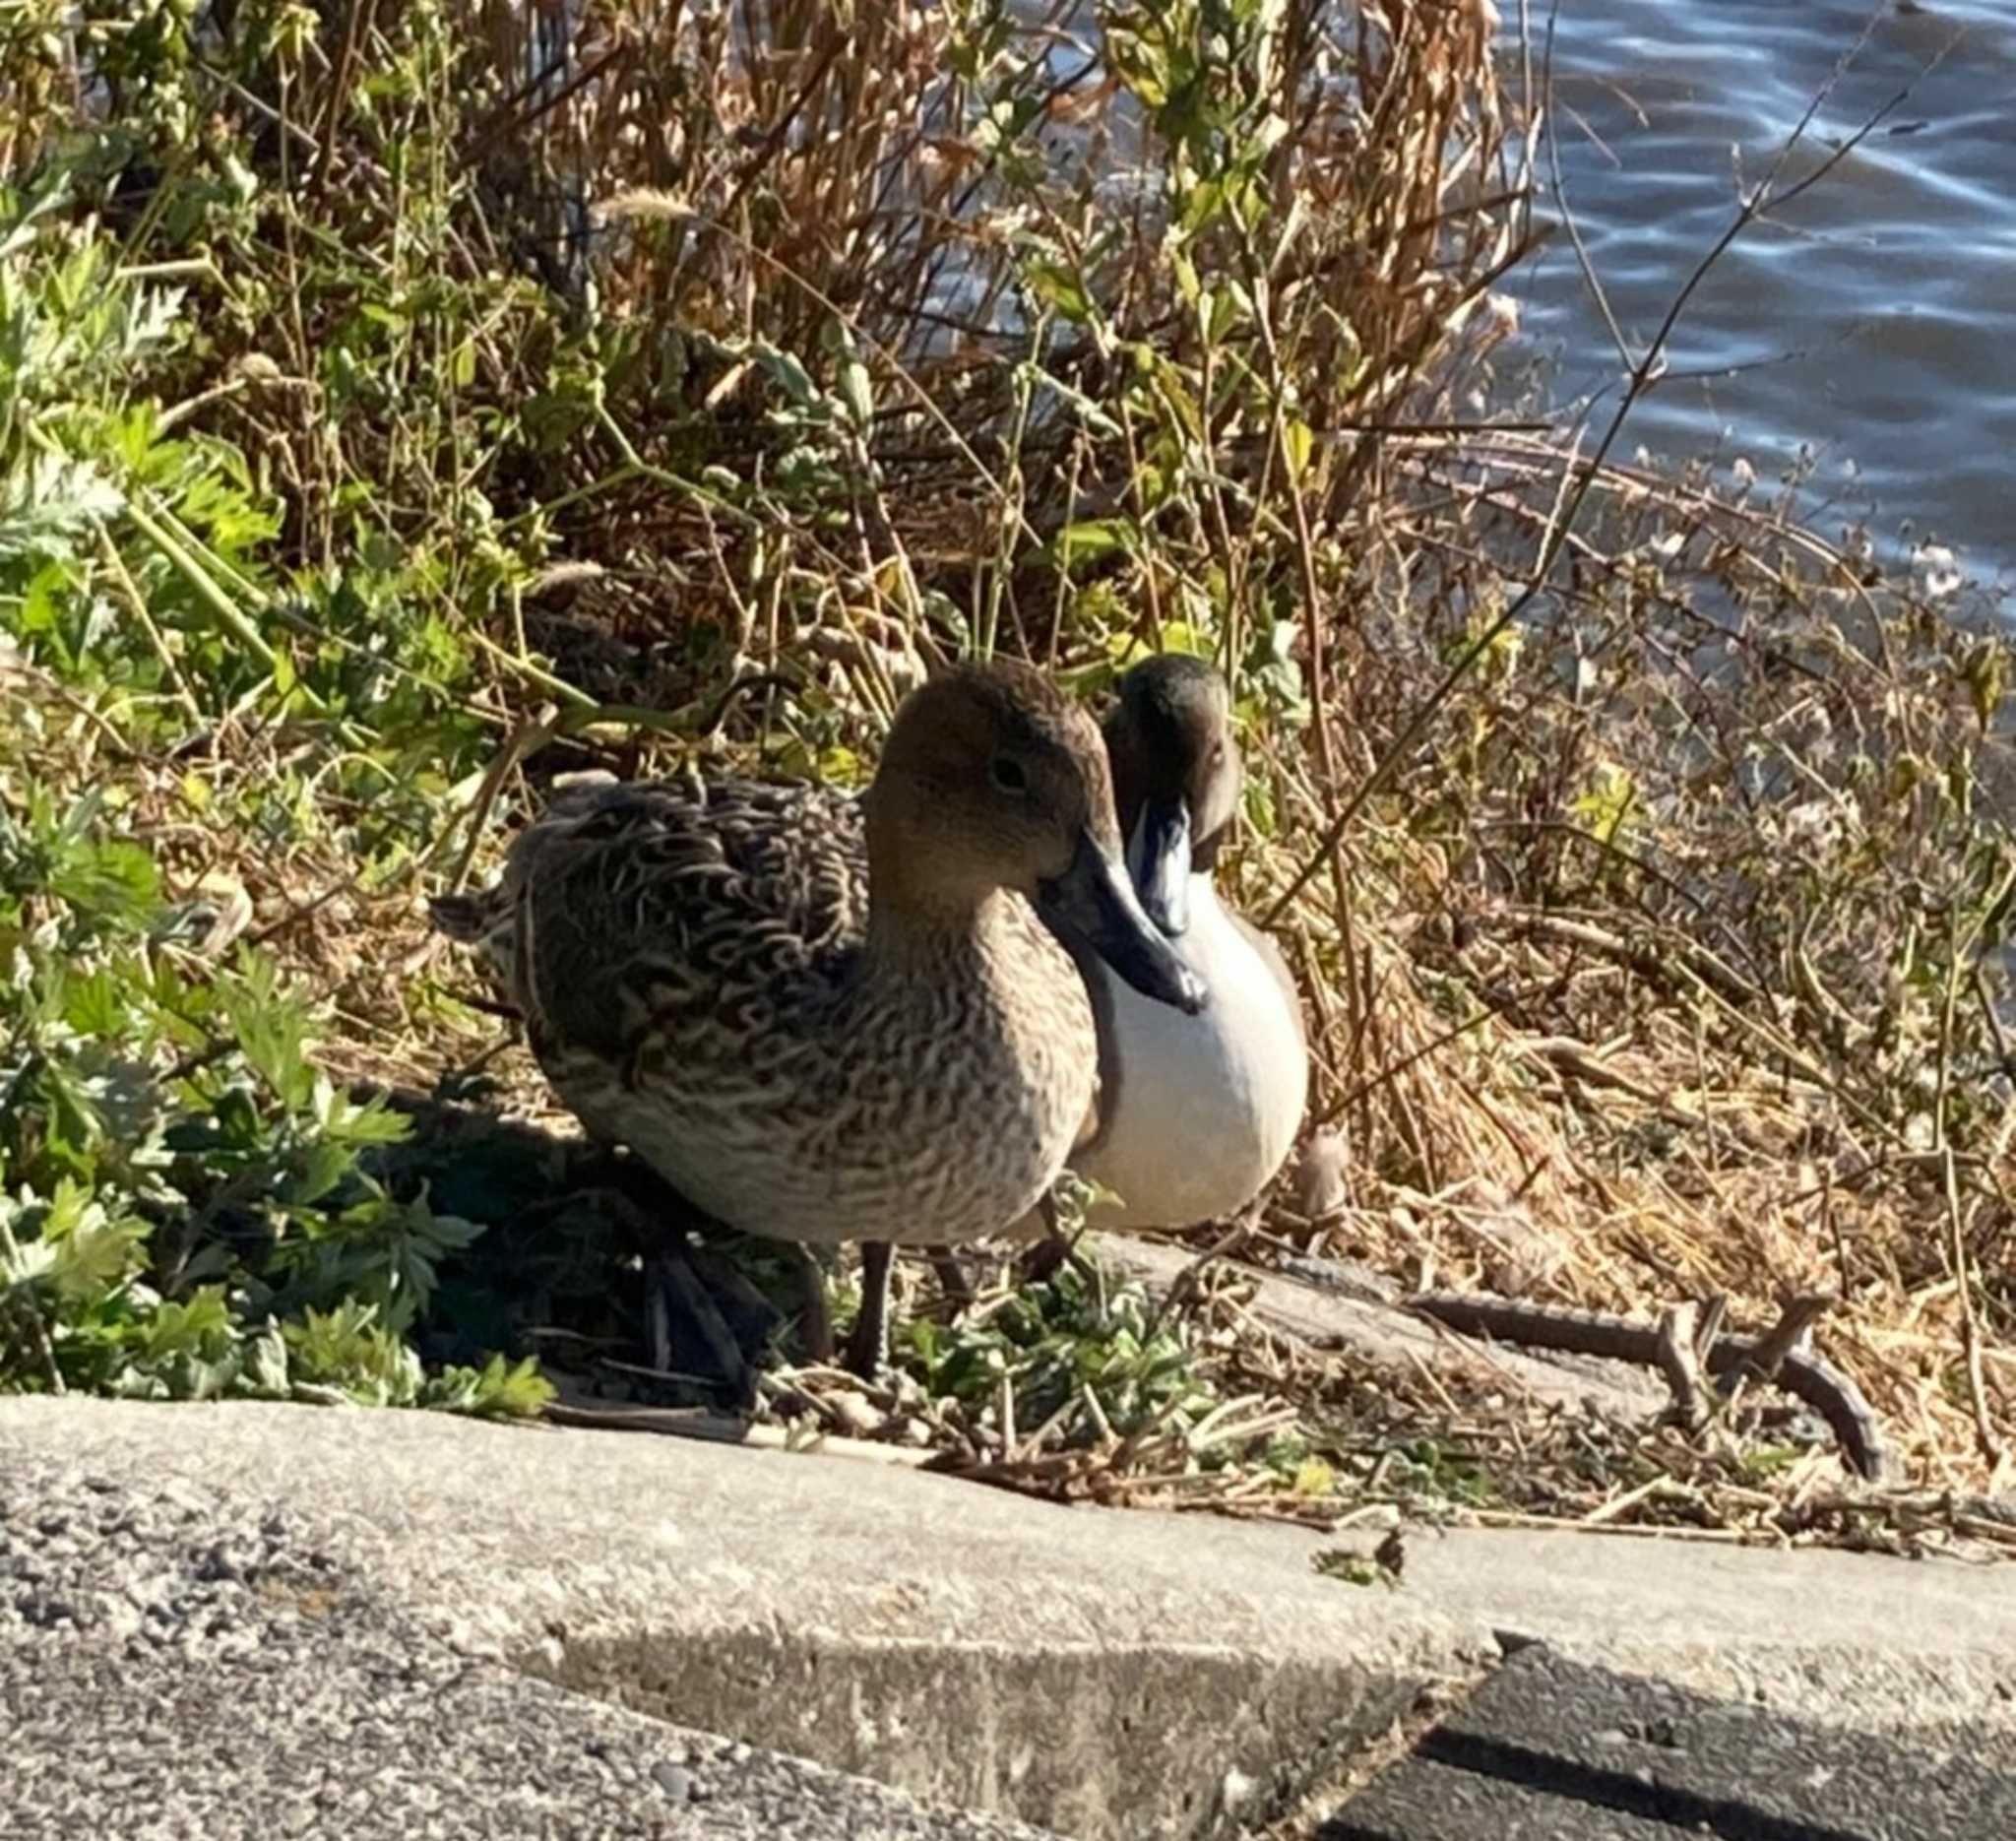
[1070, 1348]
[401, 404]
[179, 1180]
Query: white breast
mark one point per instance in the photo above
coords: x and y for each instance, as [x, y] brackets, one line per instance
[1208, 1106]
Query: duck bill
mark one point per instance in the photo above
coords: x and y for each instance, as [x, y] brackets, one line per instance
[1158, 862]
[1094, 901]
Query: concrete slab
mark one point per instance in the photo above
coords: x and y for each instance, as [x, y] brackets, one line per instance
[1861, 1640]
[1549, 1750]
[1099, 1674]
[178, 1663]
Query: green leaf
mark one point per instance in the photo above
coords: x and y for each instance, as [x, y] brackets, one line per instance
[323, 1166]
[501, 1389]
[344, 1350]
[265, 1368]
[95, 1004]
[787, 373]
[201, 1325]
[1093, 540]
[1604, 805]
[73, 1123]
[856, 389]
[53, 504]
[91, 1251]
[1053, 285]
[346, 1122]
[1298, 444]
[272, 1027]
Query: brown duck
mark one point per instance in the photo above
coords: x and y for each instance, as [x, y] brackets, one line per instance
[823, 1017]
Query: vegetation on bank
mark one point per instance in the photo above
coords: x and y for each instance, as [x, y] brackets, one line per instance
[400, 406]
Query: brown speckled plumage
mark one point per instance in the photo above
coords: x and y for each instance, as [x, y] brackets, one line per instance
[702, 979]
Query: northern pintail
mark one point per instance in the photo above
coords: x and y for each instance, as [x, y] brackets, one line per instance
[823, 1017]
[1197, 1111]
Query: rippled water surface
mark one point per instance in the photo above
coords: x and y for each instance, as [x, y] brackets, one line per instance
[1874, 319]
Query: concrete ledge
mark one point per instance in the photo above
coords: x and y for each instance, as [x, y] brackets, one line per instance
[1861, 1640]
[1095, 1673]
[1102, 1674]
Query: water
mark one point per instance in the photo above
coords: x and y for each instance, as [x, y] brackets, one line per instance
[1873, 320]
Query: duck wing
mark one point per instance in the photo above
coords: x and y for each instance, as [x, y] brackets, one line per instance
[723, 906]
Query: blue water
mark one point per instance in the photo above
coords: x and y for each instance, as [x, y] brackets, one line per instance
[1872, 322]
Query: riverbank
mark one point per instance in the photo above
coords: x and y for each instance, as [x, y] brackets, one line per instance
[394, 423]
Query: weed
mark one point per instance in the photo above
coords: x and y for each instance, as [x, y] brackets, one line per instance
[400, 407]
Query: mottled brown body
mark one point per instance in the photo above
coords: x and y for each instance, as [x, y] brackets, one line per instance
[703, 978]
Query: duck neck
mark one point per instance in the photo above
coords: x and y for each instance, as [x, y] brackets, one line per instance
[940, 947]
[1204, 891]
[923, 916]
[1210, 930]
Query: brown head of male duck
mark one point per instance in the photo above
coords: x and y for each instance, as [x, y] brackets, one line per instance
[824, 1018]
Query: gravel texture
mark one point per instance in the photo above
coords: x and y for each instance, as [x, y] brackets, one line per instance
[1131, 1678]
[174, 1666]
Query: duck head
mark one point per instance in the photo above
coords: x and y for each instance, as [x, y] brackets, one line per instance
[993, 780]
[1176, 777]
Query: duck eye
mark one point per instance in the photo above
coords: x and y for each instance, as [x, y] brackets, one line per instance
[1006, 773]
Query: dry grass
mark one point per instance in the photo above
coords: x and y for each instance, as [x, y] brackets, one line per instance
[747, 358]
[1684, 973]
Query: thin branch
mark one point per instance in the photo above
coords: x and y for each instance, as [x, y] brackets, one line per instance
[1645, 374]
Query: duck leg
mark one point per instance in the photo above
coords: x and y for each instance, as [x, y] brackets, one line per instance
[1051, 1252]
[672, 1286]
[680, 1304]
[815, 1321]
[867, 1349]
[684, 1330]
[953, 1280]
